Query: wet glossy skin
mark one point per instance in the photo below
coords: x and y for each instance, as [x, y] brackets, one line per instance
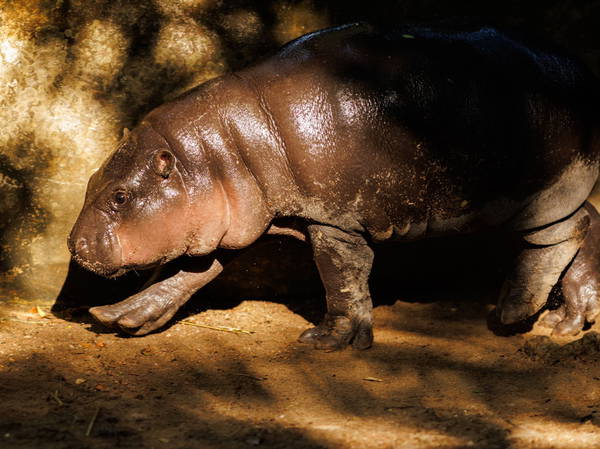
[580, 285]
[364, 138]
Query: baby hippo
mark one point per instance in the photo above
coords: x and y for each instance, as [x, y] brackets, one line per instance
[362, 137]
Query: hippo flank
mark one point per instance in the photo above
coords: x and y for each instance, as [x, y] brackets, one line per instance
[361, 137]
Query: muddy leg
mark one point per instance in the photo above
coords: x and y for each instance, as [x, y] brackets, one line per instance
[151, 308]
[547, 253]
[580, 285]
[344, 261]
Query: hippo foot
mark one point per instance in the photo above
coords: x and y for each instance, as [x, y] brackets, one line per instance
[570, 318]
[516, 306]
[337, 332]
[141, 313]
[561, 324]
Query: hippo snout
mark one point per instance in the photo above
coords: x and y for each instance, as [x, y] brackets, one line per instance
[94, 246]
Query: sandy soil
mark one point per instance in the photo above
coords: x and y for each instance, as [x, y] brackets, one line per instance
[438, 376]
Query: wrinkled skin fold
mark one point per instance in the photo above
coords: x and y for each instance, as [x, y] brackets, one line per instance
[349, 138]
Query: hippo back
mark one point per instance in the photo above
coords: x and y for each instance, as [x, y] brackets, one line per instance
[414, 131]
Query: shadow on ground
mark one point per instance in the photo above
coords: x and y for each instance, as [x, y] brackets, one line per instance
[422, 385]
[465, 268]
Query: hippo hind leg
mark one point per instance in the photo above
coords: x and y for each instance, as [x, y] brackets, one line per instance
[546, 254]
[344, 262]
[580, 289]
[580, 285]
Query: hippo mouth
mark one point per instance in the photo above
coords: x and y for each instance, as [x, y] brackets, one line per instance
[112, 272]
[101, 269]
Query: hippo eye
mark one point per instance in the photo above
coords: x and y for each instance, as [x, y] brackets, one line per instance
[120, 198]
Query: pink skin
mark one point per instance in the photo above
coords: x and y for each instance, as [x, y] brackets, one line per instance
[169, 219]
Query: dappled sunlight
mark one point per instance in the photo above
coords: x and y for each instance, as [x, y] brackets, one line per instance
[544, 434]
[9, 51]
[464, 332]
[185, 46]
[243, 25]
[261, 383]
[64, 105]
[15, 89]
[182, 7]
[100, 53]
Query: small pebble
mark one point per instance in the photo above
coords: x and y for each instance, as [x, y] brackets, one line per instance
[253, 441]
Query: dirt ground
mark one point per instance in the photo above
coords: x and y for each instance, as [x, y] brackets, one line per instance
[439, 376]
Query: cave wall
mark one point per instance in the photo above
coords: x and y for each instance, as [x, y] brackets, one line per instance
[74, 73]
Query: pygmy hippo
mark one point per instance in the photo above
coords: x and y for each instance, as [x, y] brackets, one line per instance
[364, 137]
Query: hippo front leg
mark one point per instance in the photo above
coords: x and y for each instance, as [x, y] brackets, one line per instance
[344, 262]
[151, 308]
[547, 252]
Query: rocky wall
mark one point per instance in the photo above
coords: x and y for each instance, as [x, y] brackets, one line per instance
[74, 73]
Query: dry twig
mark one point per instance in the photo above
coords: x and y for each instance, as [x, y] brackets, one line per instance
[56, 398]
[92, 421]
[233, 330]
[373, 379]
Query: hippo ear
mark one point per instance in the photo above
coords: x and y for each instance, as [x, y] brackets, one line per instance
[163, 163]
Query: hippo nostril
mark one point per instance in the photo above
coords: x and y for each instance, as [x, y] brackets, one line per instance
[81, 247]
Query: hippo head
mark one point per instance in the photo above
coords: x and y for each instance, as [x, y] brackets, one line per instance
[138, 210]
